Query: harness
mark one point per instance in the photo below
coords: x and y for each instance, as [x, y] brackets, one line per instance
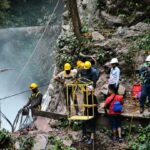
[34, 96]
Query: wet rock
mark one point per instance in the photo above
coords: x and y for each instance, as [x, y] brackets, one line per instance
[40, 142]
[97, 36]
[111, 20]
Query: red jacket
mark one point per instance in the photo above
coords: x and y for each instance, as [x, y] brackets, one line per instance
[109, 99]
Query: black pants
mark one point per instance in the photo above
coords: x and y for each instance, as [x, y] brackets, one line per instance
[115, 121]
[89, 124]
[69, 96]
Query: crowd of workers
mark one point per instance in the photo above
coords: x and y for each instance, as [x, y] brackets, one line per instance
[113, 105]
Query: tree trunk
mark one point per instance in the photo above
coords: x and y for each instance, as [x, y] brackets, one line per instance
[73, 9]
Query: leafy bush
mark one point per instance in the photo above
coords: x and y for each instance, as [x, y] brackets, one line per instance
[58, 144]
[26, 143]
[142, 140]
[6, 140]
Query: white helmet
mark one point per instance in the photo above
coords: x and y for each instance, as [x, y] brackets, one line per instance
[148, 58]
[114, 61]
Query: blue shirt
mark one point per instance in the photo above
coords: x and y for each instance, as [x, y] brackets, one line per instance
[114, 76]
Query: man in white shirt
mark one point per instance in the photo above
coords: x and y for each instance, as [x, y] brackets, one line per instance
[114, 74]
[65, 77]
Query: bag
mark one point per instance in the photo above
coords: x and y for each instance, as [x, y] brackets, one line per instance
[117, 106]
[135, 90]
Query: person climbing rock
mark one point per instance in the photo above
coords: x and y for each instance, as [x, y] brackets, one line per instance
[65, 77]
[114, 74]
[92, 100]
[145, 77]
[35, 99]
[113, 107]
[89, 73]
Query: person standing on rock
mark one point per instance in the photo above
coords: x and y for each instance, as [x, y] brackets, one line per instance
[145, 76]
[114, 76]
[65, 77]
[35, 99]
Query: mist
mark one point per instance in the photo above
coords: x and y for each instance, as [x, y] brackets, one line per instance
[16, 46]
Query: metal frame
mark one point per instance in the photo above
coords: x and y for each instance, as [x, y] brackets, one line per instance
[78, 84]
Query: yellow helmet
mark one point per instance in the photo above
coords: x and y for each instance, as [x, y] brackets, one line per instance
[82, 65]
[33, 86]
[67, 66]
[79, 62]
[87, 65]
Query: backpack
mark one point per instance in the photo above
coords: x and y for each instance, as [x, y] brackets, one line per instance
[117, 106]
[97, 73]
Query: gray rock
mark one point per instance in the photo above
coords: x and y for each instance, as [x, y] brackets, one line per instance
[67, 142]
[41, 141]
[54, 123]
[97, 36]
[141, 26]
[111, 20]
[66, 27]
[75, 135]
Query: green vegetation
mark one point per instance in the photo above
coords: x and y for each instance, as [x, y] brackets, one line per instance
[139, 43]
[58, 144]
[141, 141]
[26, 142]
[16, 13]
[6, 140]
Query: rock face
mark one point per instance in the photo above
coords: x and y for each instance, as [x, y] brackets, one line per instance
[110, 37]
[40, 142]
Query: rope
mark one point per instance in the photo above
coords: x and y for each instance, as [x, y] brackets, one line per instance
[6, 119]
[20, 93]
[28, 61]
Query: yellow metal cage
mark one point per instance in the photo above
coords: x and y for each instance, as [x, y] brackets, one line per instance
[80, 92]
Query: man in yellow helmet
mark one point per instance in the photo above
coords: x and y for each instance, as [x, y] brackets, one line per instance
[35, 99]
[89, 73]
[66, 77]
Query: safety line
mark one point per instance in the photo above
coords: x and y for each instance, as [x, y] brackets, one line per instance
[19, 76]
[20, 93]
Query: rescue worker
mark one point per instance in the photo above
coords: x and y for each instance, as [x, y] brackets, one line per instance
[92, 100]
[35, 99]
[89, 73]
[79, 67]
[114, 74]
[65, 77]
[145, 76]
